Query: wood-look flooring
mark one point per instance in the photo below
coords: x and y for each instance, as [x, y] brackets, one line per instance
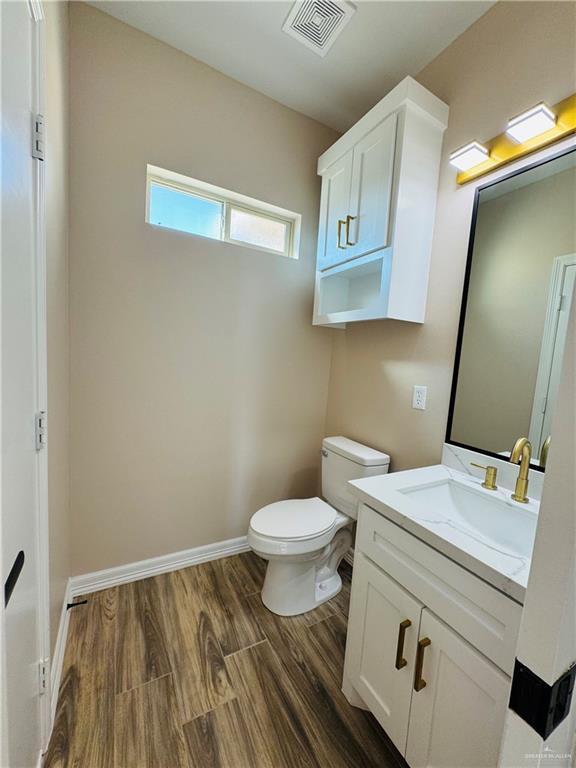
[190, 670]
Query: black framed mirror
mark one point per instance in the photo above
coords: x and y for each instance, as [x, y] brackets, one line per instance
[519, 284]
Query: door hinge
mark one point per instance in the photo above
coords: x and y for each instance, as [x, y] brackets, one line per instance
[43, 676]
[562, 302]
[38, 136]
[41, 436]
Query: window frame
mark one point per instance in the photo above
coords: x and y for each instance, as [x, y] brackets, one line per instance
[229, 200]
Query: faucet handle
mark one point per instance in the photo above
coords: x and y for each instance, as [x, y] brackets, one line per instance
[490, 478]
[543, 458]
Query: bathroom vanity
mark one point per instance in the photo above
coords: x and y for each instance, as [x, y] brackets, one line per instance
[440, 573]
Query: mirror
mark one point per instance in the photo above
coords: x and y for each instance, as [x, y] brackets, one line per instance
[519, 285]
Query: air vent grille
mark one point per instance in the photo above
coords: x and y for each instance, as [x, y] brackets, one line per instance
[317, 23]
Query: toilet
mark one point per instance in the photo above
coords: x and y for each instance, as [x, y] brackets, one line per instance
[304, 540]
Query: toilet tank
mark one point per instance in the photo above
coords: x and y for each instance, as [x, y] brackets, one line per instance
[343, 460]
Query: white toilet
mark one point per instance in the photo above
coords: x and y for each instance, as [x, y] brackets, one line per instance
[304, 540]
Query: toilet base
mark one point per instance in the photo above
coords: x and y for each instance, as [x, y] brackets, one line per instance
[295, 585]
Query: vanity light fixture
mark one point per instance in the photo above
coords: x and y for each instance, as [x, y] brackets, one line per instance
[529, 132]
[532, 123]
[469, 156]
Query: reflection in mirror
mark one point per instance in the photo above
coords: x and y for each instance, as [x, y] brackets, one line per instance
[520, 284]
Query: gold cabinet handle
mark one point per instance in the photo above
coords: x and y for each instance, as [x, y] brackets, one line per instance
[341, 223]
[348, 220]
[419, 682]
[400, 661]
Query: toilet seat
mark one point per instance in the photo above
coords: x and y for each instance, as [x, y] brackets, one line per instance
[295, 528]
[294, 519]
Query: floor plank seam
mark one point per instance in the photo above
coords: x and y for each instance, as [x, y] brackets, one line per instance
[324, 618]
[210, 711]
[246, 648]
[147, 682]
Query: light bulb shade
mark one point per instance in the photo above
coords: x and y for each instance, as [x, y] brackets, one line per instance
[531, 123]
[469, 156]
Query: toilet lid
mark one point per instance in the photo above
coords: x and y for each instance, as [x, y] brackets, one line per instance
[294, 519]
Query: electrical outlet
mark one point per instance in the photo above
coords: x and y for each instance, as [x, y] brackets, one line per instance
[419, 397]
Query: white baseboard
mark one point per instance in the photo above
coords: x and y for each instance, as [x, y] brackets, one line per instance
[122, 574]
[57, 660]
[349, 557]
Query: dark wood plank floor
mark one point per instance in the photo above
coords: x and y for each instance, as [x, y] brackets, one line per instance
[190, 670]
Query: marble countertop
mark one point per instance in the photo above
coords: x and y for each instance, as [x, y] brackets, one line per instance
[504, 567]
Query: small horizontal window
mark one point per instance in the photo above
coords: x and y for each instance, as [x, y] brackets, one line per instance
[181, 210]
[254, 229]
[198, 208]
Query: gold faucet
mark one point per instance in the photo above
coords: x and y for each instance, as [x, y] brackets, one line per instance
[521, 454]
[544, 452]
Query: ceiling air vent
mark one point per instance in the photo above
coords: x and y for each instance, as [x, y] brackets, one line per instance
[317, 23]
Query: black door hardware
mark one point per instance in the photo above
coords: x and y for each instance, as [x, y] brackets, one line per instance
[73, 605]
[541, 705]
[13, 577]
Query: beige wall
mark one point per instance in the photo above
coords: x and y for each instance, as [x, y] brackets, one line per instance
[198, 386]
[514, 56]
[518, 235]
[56, 108]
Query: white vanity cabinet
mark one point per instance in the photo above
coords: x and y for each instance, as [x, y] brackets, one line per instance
[428, 650]
[381, 660]
[379, 184]
[458, 717]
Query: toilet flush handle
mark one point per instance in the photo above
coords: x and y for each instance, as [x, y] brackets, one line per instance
[324, 453]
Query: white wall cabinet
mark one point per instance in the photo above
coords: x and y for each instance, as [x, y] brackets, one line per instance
[357, 192]
[441, 701]
[379, 184]
[371, 190]
[336, 204]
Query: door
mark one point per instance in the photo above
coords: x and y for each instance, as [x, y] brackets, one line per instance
[557, 354]
[382, 634]
[560, 297]
[20, 389]
[457, 718]
[334, 209]
[368, 226]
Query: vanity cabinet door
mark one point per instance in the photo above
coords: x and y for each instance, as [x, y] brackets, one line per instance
[368, 226]
[382, 634]
[334, 209]
[457, 718]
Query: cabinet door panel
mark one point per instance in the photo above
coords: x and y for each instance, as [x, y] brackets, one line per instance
[457, 719]
[371, 190]
[378, 607]
[335, 206]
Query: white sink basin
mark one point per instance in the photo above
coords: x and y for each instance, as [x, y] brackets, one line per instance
[485, 531]
[490, 519]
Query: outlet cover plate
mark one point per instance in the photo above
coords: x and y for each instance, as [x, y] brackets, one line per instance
[419, 397]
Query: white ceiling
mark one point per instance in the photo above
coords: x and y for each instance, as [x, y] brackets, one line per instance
[385, 41]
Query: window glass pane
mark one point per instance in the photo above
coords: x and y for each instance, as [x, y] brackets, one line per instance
[258, 230]
[180, 210]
